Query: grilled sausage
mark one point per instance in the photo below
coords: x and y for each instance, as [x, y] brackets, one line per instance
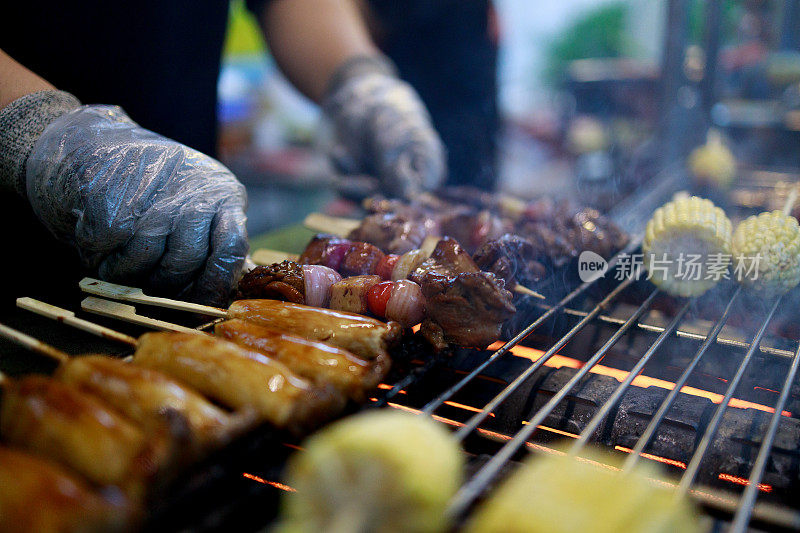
[365, 337]
[316, 361]
[239, 378]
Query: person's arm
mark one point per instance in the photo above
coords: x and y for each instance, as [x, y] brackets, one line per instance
[381, 126]
[16, 81]
[137, 207]
[311, 39]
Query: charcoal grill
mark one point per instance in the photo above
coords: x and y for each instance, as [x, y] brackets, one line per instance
[705, 387]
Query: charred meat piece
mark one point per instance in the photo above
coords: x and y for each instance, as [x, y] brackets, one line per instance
[391, 232]
[350, 294]
[37, 496]
[326, 250]
[316, 361]
[78, 430]
[473, 229]
[512, 259]
[560, 233]
[279, 281]
[365, 337]
[240, 378]
[359, 259]
[464, 305]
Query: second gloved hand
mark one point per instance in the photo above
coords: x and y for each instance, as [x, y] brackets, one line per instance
[382, 128]
[138, 207]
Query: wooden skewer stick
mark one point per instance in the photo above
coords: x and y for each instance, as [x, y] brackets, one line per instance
[124, 293]
[128, 313]
[68, 317]
[33, 344]
[267, 257]
[328, 224]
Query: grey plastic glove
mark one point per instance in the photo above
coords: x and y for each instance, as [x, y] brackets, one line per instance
[138, 207]
[382, 128]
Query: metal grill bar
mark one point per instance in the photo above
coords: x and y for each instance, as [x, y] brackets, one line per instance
[748, 500]
[694, 465]
[434, 404]
[548, 408]
[733, 343]
[473, 422]
[665, 406]
[475, 486]
[625, 385]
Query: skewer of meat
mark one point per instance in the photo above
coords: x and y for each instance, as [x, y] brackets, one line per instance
[148, 397]
[460, 304]
[509, 257]
[322, 364]
[63, 502]
[238, 378]
[76, 429]
[365, 337]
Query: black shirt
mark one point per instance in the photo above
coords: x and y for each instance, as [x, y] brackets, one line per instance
[158, 60]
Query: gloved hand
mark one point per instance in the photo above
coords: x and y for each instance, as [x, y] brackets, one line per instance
[140, 208]
[382, 128]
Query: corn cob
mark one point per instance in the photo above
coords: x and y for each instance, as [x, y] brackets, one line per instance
[687, 246]
[713, 163]
[766, 253]
[377, 471]
[561, 494]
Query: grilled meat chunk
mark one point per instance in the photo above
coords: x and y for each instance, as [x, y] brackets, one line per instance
[512, 259]
[239, 378]
[360, 258]
[37, 496]
[560, 233]
[146, 396]
[279, 281]
[350, 294]
[365, 337]
[464, 305]
[391, 232]
[316, 361]
[319, 250]
[78, 430]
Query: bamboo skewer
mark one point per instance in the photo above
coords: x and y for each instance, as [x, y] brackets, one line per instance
[134, 295]
[128, 313]
[69, 318]
[790, 201]
[32, 344]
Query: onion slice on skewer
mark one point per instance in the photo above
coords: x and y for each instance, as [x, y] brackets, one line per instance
[318, 280]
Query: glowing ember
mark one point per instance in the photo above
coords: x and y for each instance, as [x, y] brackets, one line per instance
[742, 481]
[559, 361]
[275, 484]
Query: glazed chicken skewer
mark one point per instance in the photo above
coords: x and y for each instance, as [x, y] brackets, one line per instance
[323, 365]
[148, 397]
[365, 337]
[51, 418]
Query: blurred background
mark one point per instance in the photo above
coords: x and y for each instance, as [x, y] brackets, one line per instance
[586, 98]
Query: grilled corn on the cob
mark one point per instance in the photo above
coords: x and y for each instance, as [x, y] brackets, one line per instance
[561, 494]
[379, 471]
[766, 253]
[687, 246]
[713, 163]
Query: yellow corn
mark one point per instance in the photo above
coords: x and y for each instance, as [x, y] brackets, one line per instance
[766, 253]
[682, 234]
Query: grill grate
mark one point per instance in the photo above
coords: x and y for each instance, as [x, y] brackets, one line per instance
[744, 507]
